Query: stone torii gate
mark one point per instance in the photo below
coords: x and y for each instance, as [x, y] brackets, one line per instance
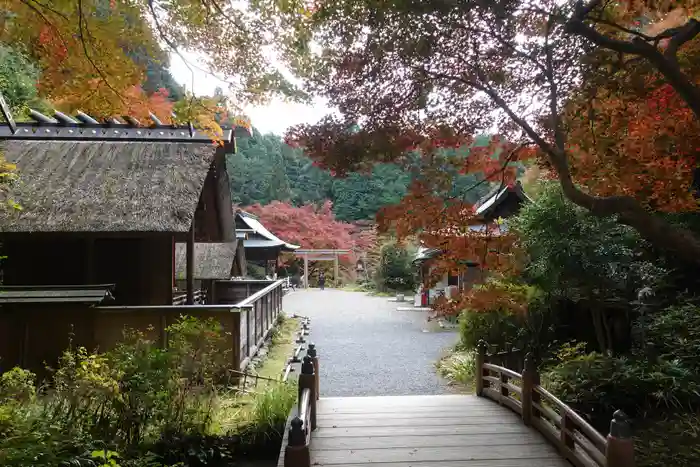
[320, 255]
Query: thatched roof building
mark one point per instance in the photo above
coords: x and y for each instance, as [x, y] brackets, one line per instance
[105, 203]
[104, 186]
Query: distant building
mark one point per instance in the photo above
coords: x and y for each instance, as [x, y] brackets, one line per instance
[500, 204]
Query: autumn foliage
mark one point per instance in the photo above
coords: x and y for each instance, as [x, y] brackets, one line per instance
[313, 227]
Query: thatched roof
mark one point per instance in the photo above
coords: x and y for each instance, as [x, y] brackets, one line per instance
[211, 260]
[104, 186]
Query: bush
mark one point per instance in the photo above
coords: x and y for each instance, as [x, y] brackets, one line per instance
[671, 440]
[673, 334]
[596, 385]
[120, 402]
[458, 368]
[395, 270]
[499, 328]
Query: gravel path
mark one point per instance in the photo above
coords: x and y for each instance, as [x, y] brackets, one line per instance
[367, 348]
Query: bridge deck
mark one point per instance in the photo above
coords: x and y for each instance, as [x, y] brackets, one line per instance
[422, 431]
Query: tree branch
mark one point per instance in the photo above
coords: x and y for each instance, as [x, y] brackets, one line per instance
[557, 125]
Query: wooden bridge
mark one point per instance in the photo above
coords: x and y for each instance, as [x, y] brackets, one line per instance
[512, 421]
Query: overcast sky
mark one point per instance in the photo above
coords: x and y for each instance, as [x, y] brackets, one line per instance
[275, 117]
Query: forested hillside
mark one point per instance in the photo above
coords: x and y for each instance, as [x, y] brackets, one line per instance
[265, 169]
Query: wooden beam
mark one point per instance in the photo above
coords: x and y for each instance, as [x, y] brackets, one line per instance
[336, 271]
[190, 265]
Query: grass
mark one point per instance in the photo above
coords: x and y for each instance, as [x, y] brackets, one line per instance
[281, 348]
[458, 368]
[259, 416]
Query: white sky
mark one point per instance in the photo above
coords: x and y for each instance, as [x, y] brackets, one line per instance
[275, 117]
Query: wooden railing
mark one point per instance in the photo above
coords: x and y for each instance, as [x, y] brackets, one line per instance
[296, 452]
[575, 439]
[258, 313]
[200, 298]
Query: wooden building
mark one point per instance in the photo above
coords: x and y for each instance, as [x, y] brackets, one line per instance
[212, 262]
[261, 246]
[103, 208]
[499, 204]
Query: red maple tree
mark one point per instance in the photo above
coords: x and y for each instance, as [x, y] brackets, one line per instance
[313, 227]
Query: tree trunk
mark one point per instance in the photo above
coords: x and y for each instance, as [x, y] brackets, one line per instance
[680, 243]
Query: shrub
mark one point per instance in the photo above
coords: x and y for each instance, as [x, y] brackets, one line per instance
[596, 385]
[395, 270]
[671, 440]
[499, 328]
[116, 402]
[458, 367]
[672, 334]
[17, 385]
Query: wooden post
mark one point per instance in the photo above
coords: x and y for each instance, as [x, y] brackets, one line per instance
[190, 265]
[306, 270]
[311, 352]
[479, 366]
[307, 379]
[529, 378]
[620, 448]
[336, 270]
[297, 453]
[567, 430]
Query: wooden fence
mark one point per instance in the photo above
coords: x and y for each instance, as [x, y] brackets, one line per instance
[577, 440]
[247, 322]
[298, 435]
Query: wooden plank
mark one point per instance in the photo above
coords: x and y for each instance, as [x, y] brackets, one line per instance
[533, 462]
[368, 403]
[360, 432]
[341, 418]
[421, 441]
[394, 409]
[423, 421]
[432, 454]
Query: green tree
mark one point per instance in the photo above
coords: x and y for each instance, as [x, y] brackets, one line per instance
[591, 261]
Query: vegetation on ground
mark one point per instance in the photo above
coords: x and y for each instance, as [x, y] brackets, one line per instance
[141, 405]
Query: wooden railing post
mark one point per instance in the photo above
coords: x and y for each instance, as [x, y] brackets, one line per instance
[481, 347]
[311, 352]
[297, 452]
[620, 447]
[567, 429]
[530, 380]
[307, 379]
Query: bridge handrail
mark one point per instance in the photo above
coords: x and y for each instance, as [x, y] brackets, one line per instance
[575, 438]
[296, 453]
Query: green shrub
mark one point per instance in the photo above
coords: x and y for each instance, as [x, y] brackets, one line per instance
[596, 385]
[499, 328]
[117, 401]
[256, 271]
[672, 334]
[673, 440]
[395, 270]
[459, 368]
[17, 385]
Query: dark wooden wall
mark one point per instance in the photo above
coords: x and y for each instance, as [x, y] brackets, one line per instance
[34, 336]
[233, 292]
[140, 267]
[44, 260]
